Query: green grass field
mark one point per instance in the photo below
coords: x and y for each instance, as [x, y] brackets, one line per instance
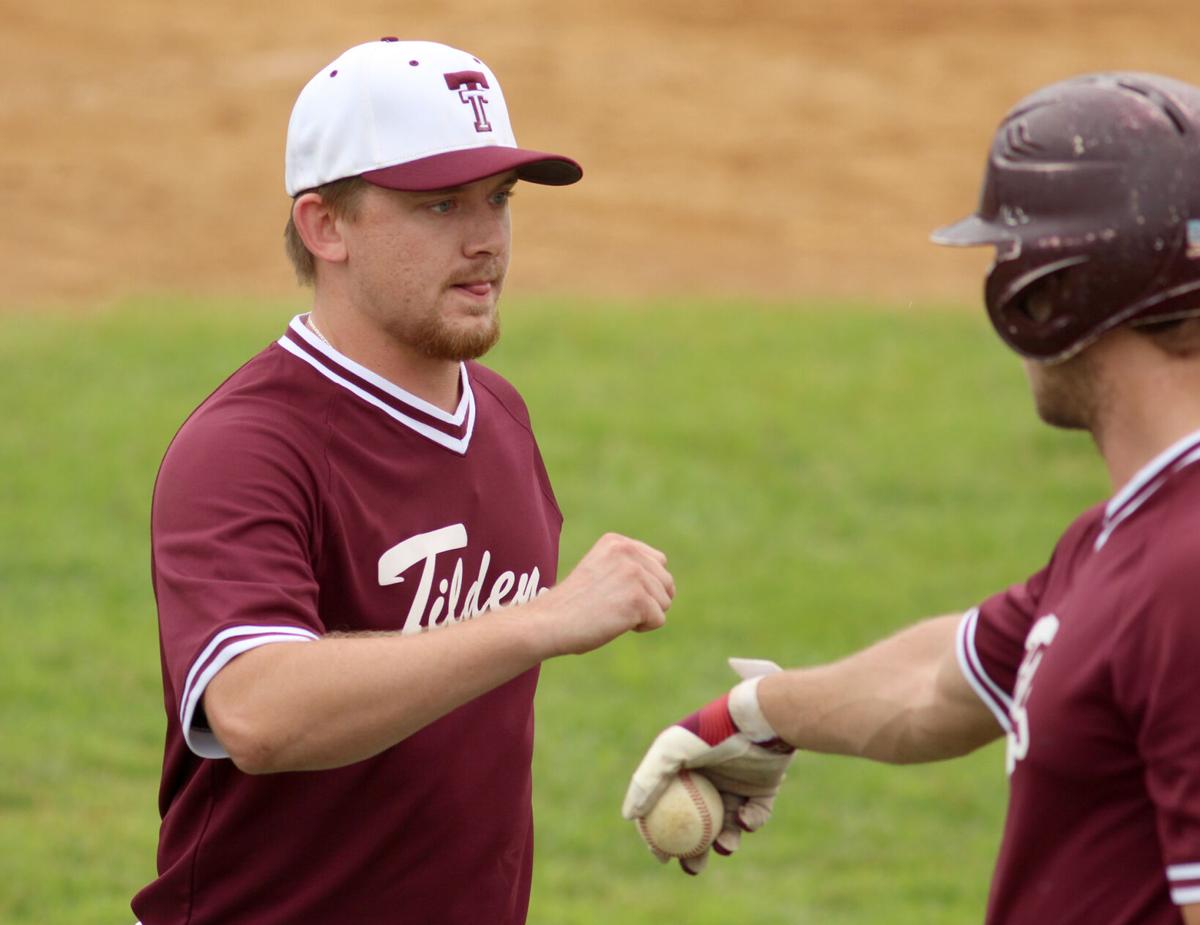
[819, 474]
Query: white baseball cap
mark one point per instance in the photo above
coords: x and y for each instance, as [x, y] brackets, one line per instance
[409, 116]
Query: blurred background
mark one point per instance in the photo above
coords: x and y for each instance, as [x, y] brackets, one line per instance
[761, 147]
[775, 378]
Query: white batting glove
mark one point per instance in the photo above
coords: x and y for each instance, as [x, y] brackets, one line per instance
[734, 745]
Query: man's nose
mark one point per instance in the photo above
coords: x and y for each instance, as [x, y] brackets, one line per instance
[487, 232]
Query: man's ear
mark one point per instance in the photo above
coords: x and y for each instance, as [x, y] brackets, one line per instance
[318, 228]
[1188, 343]
[1179, 338]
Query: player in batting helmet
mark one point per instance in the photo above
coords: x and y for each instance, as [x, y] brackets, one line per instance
[1088, 666]
[1092, 200]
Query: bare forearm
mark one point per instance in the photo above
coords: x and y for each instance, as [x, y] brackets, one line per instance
[902, 700]
[341, 699]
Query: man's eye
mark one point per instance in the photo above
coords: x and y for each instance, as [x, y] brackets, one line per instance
[502, 197]
[441, 208]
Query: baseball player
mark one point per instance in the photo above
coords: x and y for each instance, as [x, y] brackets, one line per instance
[1089, 667]
[355, 542]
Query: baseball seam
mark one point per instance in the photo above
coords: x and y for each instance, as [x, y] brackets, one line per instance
[646, 836]
[706, 822]
[702, 808]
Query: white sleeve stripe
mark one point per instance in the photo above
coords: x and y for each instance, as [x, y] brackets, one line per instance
[1183, 872]
[1185, 897]
[218, 641]
[202, 742]
[968, 662]
[972, 654]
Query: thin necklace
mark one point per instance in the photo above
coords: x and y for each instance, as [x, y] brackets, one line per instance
[317, 330]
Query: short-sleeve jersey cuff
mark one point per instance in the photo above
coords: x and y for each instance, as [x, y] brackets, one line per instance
[224, 647]
[1185, 883]
[969, 662]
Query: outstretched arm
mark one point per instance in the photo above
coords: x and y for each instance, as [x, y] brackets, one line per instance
[344, 698]
[902, 700]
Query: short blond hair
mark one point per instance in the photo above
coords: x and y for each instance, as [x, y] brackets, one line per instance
[342, 199]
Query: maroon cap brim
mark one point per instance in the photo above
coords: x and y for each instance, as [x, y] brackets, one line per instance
[457, 168]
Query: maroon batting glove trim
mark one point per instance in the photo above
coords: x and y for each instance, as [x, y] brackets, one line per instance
[712, 723]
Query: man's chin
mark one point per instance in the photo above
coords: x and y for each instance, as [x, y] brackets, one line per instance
[1062, 420]
[460, 342]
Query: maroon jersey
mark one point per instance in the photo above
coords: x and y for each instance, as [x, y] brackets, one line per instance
[307, 495]
[1092, 667]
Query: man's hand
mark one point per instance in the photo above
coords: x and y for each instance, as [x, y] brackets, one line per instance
[734, 746]
[621, 584]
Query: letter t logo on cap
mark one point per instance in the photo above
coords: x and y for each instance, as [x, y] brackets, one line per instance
[470, 86]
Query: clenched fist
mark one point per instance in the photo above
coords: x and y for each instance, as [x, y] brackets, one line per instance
[621, 584]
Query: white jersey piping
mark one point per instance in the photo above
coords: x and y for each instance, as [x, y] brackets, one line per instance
[202, 741]
[992, 695]
[457, 444]
[1145, 482]
[298, 326]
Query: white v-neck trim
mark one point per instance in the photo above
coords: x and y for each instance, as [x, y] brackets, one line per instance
[330, 360]
[1147, 473]
[460, 413]
[1146, 481]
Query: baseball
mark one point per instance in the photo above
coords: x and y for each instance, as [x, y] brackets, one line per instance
[686, 819]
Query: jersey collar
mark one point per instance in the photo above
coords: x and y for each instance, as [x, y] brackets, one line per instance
[451, 430]
[1146, 481]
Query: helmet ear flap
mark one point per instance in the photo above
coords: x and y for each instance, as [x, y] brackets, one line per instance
[1037, 300]
[1044, 305]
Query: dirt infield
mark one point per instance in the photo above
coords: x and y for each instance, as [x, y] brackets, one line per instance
[788, 148]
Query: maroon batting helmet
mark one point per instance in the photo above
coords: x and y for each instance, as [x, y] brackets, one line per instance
[1092, 199]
